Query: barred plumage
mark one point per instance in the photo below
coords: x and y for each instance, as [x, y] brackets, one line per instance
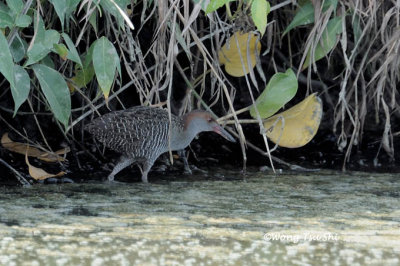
[141, 134]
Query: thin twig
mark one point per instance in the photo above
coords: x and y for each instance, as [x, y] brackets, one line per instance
[287, 2]
[18, 175]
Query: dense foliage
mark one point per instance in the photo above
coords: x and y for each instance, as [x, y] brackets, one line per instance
[68, 58]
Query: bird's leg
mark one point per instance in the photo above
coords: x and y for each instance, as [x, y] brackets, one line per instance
[122, 164]
[186, 167]
[146, 169]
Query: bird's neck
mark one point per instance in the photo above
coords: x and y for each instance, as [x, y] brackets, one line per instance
[183, 136]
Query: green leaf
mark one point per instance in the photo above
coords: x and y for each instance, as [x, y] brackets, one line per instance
[23, 21]
[5, 20]
[259, 12]
[105, 61]
[357, 31]
[42, 47]
[6, 61]
[39, 29]
[61, 50]
[36, 53]
[61, 7]
[110, 7]
[18, 48]
[71, 6]
[327, 42]
[181, 41]
[281, 89]
[47, 61]
[215, 4]
[15, 5]
[20, 91]
[51, 37]
[38, 50]
[83, 75]
[64, 9]
[305, 14]
[328, 4]
[89, 56]
[55, 90]
[93, 21]
[73, 53]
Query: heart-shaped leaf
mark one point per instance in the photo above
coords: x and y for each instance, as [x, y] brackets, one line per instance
[280, 89]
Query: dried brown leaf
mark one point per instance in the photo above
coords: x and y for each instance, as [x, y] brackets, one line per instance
[22, 148]
[38, 173]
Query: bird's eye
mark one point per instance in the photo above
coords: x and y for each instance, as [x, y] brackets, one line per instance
[209, 120]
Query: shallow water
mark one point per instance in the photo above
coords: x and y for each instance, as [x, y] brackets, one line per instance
[219, 218]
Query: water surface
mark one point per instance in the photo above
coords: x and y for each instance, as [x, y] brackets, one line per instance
[219, 218]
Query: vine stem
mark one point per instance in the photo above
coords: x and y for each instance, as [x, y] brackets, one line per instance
[228, 11]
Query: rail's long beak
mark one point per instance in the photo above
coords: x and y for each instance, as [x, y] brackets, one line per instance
[218, 129]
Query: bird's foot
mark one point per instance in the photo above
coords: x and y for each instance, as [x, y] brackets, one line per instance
[187, 170]
[198, 170]
[186, 166]
[144, 179]
[110, 180]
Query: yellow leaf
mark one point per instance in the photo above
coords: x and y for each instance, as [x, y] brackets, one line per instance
[301, 123]
[21, 148]
[231, 55]
[39, 173]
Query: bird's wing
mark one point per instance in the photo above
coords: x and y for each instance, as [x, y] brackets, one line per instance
[131, 129]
